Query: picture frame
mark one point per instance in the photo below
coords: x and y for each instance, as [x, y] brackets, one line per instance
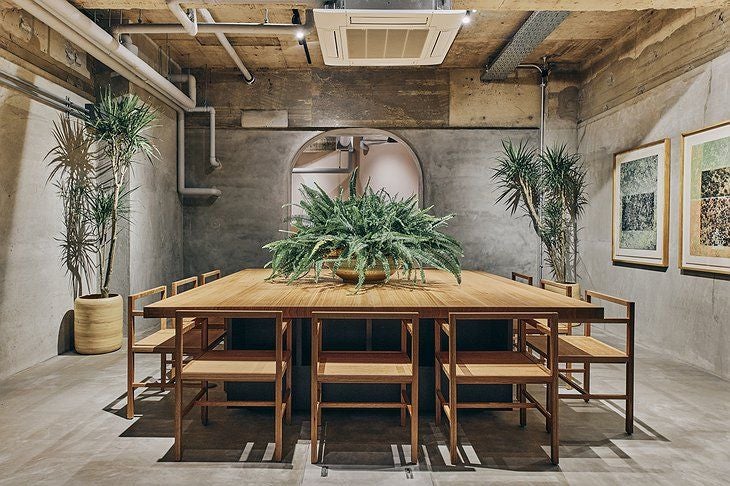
[640, 207]
[704, 219]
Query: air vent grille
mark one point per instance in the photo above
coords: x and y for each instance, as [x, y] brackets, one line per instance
[386, 37]
[385, 43]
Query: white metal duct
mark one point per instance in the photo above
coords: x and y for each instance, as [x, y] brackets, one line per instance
[366, 37]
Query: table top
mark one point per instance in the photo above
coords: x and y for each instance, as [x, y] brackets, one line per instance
[441, 294]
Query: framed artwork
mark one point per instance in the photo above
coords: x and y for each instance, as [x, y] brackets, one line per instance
[705, 200]
[640, 233]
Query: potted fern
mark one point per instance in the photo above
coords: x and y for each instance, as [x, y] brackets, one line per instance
[550, 187]
[91, 164]
[363, 238]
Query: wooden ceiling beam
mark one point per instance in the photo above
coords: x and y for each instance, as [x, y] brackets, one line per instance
[493, 5]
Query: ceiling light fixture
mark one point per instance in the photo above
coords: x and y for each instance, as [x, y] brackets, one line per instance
[299, 35]
[466, 19]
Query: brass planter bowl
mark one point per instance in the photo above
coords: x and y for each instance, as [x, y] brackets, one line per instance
[374, 274]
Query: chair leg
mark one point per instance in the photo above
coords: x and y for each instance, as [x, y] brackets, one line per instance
[587, 379]
[437, 372]
[288, 399]
[403, 406]
[278, 419]
[523, 411]
[414, 422]
[204, 409]
[554, 425]
[163, 371]
[178, 416]
[453, 426]
[130, 384]
[313, 424]
[289, 334]
[549, 404]
[630, 396]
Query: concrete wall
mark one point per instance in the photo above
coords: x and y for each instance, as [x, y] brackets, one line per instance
[34, 292]
[155, 237]
[685, 316]
[255, 182]
[35, 295]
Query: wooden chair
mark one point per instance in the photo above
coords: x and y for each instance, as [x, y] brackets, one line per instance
[366, 367]
[177, 284]
[586, 349]
[563, 289]
[236, 365]
[203, 279]
[206, 277]
[516, 367]
[527, 280]
[160, 342]
[521, 277]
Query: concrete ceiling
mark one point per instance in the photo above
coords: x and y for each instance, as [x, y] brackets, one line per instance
[579, 39]
[495, 5]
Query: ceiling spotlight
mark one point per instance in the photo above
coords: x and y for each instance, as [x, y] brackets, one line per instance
[466, 19]
[299, 35]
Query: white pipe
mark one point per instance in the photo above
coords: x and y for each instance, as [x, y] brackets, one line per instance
[188, 191]
[209, 109]
[247, 76]
[190, 26]
[192, 84]
[82, 31]
[238, 28]
[77, 28]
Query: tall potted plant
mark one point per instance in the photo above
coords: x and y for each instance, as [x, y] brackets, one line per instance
[92, 163]
[550, 187]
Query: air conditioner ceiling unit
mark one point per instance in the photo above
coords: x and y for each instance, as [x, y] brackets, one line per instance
[374, 36]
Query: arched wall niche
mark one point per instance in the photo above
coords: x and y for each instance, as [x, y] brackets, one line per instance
[384, 159]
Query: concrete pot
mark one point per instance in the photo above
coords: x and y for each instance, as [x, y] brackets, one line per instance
[98, 324]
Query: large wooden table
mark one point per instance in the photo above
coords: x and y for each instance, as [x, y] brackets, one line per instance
[478, 292]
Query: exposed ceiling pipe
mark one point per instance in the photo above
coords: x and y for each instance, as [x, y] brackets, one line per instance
[189, 23]
[189, 79]
[211, 111]
[247, 76]
[181, 189]
[65, 19]
[13, 82]
[544, 71]
[222, 28]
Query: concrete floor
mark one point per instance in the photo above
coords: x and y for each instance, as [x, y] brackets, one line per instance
[62, 422]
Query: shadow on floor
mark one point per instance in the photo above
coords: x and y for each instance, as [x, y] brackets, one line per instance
[374, 439]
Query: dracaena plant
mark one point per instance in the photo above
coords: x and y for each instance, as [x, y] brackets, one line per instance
[90, 165]
[550, 187]
[365, 230]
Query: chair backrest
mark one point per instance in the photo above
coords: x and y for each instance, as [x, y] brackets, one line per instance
[206, 277]
[629, 320]
[408, 322]
[521, 277]
[558, 288]
[204, 315]
[133, 312]
[175, 287]
[534, 319]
